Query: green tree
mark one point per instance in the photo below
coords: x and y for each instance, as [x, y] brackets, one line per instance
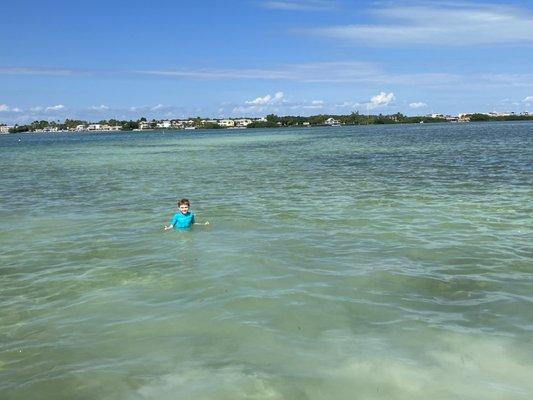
[272, 118]
[130, 125]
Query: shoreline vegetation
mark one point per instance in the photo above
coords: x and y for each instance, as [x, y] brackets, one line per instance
[270, 121]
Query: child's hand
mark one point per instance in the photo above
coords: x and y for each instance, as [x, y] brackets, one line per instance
[206, 223]
[166, 228]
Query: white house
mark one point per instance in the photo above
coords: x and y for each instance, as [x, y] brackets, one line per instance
[331, 121]
[110, 128]
[164, 124]
[49, 129]
[243, 122]
[226, 123]
[145, 125]
[5, 128]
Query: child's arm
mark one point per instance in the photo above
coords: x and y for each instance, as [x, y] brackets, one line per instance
[172, 224]
[194, 221]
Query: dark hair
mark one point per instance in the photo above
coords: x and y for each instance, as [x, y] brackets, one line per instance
[184, 201]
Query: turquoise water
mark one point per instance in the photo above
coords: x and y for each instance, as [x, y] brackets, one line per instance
[368, 262]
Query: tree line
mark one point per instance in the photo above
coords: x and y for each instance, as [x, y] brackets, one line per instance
[272, 121]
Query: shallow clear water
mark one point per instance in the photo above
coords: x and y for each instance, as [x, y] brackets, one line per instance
[378, 262]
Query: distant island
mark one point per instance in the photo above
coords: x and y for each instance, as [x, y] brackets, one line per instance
[270, 121]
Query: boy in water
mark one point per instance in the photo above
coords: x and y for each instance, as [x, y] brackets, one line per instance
[185, 218]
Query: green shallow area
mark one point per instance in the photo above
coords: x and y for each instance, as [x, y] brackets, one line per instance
[365, 262]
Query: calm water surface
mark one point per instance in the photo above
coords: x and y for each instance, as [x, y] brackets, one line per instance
[379, 262]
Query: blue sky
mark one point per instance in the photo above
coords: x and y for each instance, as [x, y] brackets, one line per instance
[174, 59]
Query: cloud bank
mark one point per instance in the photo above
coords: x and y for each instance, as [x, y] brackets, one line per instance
[301, 5]
[381, 100]
[439, 24]
[58, 107]
[4, 108]
[268, 99]
[351, 71]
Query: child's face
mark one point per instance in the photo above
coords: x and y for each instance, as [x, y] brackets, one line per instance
[184, 208]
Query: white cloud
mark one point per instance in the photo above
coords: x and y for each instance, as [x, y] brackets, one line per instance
[6, 108]
[266, 105]
[380, 100]
[528, 99]
[101, 107]
[267, 100]
[301, 5]
[417, 104]
[54, 112]
[58, 107]
[273, 104]
[260, 100]
[347, 104]
[157, 111]
[313, 105]
[444, 23]
[363, 73]
[341, 71]
[39, 71]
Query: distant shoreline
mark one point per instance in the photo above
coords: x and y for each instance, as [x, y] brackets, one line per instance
[270, 121]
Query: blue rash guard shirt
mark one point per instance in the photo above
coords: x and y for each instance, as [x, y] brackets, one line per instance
[181, 221]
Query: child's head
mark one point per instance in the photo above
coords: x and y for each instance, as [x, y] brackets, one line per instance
[184, 205]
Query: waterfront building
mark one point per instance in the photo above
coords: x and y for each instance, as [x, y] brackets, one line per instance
[332, 121]
[5, 128]
[101, 127]
[500, 114]
[243, 122]
[145, 125]
[48, 129]
[226, 123]
[110, 127]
